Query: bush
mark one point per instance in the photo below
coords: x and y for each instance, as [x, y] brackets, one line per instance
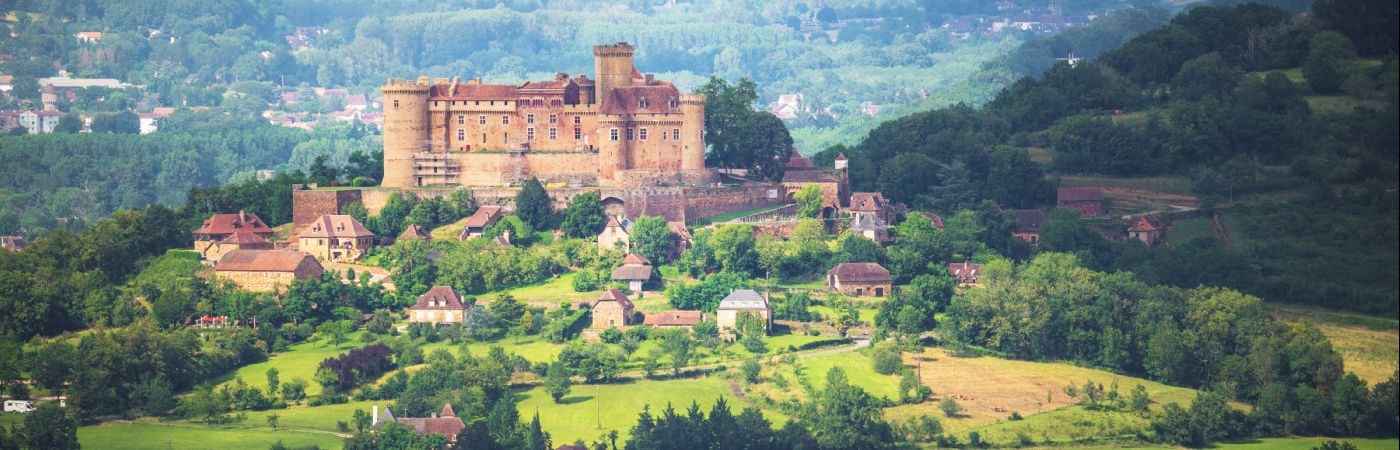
[886, 360]
[584, 281]
[610, 336]
[751, 369]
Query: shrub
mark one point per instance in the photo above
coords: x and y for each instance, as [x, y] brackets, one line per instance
[886, 360]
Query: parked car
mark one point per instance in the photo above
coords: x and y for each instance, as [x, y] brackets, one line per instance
[19, 406]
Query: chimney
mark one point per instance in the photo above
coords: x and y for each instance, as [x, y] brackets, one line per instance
[242, 216]
[434, 415]
[650, 79]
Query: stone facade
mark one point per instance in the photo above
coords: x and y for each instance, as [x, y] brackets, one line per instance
[266, 270]
[335, 237]
[860, 280]
[624, 128]
[740, 302]
[612, 310]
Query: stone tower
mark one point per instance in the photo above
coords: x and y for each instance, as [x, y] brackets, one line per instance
[612, 63]
[693, 132]
[405, 128]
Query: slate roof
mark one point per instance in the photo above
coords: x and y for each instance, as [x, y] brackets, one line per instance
[439, 297]
[674, 318]
[1029, 220]
[744, 299]
[865, 272]
[262, 261]
[335, 226]
[632, 273]
[626, 99]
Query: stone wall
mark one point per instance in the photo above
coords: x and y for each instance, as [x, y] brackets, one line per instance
[710, 202]
[307, 205]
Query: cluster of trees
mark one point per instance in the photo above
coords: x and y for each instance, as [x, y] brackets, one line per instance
[1212, 338]
[342, 373]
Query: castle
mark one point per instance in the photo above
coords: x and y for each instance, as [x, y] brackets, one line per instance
[624, 129]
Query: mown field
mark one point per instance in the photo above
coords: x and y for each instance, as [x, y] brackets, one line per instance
[145, 435]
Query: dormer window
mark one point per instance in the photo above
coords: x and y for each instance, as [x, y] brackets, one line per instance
[642, 103]
[675, 103]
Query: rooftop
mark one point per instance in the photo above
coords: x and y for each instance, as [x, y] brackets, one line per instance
[743, 299]
[262, 261]
[860, 272]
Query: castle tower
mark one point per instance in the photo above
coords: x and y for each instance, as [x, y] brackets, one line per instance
[612, 153]
[693, 132]
[405, 128]
[612, 64]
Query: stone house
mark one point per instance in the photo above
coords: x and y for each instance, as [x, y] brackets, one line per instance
[483, 218]
[612, 310]
[1148, 229]
[683, 239]
[444, 423]
[1088, 200]
[266, 270]
[616, 234]
[635, 270]
[1028, 222]
[335, 237]
[210, 239]
[441, 304]
[871, 204]
[834, 183]
[966, 273]
[239, 240]
[860, 279]
[871, 227]
[742, 301]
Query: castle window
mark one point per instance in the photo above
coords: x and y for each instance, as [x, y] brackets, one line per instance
[642, 103]
[675, 103]
[612, 134]
[676, 134]
[396, 103]
[539, 102]
[629, 134]
[553, 119]
[643, 134]
[553, 133]
[461, 134]
[578, 133]
[556, 103]
[483, 139]
[529, 118]
[578, 120]
[461, 120]
[530, 134]
[505, 120]
[481, 120]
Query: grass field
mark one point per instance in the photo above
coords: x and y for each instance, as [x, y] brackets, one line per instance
[1033, 389]
[1169, 185]
[617, 406]
[1184, 231]
[1369, 345]
[150, 435]
[299, 361]
[1306, 443]
[1341, 104]
[533, 348]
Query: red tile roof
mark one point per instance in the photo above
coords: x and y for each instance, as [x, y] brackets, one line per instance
[965, 272]
[935, 218]
[335, 226]
[633, 258]
[866, 272]
[224, 224]
[469, 91]
[263, 261]
[614, 295]
[484, 216]
[415, 231]
[868, 202]
[244, 237]
[627, 99]
[674, 318]
[1029, 220]
[439, 297]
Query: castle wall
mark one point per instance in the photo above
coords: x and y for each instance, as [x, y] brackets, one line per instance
[307, 205]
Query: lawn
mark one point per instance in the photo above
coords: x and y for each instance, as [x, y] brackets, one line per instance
[1306, 443]
[299, 361]
[533, 348]
[1184, 231]
[1033, 389]
[616, 406]
[858, 367]
[148, 435]
[1168, 185]
[549, 292]
[1369, 345]
[865, 315]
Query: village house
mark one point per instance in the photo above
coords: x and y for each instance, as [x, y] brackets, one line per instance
[483, 218]
[39, 122]
[88, 37]
[441, 304]
[616, 234]
[871, 204]
[209, 239]
[148, 120]
[1146, 228]
[742, 301]
[1028, 222]
[12, 243]
[667, 319]
[335, 237]
[966, 273]
[1088, 200]
[871, 228]
[859, 279]
[444, 423]
[799, 173]
[266, 270]
[682, 236]
[635, 270]
[612, 310]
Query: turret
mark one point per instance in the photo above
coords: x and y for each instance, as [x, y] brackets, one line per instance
[612, 63]
[693, 131]
[612, 155]
[405, 128]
